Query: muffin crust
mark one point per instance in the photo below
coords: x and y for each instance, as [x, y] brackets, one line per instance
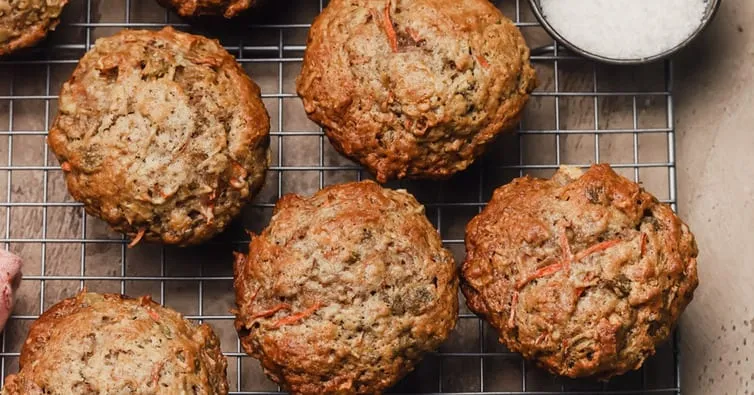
[24, 23]
[414, 88]
[585, 273]
[345, 290]
[111, 344]
[162, 135]
[194, 8]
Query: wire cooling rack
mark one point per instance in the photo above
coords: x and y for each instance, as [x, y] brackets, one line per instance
[581, 113]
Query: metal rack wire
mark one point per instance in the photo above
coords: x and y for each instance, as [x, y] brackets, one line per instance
[580, 114]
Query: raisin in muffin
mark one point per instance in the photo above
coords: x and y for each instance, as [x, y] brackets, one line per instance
[110, 344]
[414, 88]
[345, 290]
[24, 23]
[585, 273]
[162, 135]
[194, 8]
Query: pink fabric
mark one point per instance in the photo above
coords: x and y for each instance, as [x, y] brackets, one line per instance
[10, 279]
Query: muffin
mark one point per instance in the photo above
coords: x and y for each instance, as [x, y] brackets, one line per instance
[345, 291]
[24, 23]
[162, 135]
[585, 273]
[194, 8]
[415, 88]
[111, 344]
[10, 280]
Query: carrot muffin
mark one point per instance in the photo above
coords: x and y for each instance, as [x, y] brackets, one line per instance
[24, 23]
[415, 88]
[162, 135]
[345, 291]
[111, 344]
[585, 273]
[225, 8]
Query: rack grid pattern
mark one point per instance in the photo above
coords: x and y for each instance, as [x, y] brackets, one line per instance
[581, 113]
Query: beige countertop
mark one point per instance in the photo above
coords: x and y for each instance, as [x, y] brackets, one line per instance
[715, 138]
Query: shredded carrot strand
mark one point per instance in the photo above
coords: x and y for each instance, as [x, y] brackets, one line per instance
[595, 248]
[514, 303]
[272, 311]
[389, 30]
[66, 166]
[567, 260]
[579, 291]
[414, 34]
[542, 272]
[156, 372]
[153, 314]
[643, 244]
[137, 239]
[483, 62]
[565, 248]
[292, 319]
[254, 297]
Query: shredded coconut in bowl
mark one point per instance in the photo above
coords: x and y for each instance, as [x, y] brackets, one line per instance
[624, 29]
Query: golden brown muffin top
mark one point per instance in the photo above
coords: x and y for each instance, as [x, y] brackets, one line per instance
[111, 344]
[345, 290]
[414, 88]
[585, 273]
[23, 23]
[162, 135]
[226, 8]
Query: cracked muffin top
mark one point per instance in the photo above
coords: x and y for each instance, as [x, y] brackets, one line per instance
[225, 8]
[110, 344]
[162, 135]
[414, 88]
[585, 273]
[23, 23]
[345, 291]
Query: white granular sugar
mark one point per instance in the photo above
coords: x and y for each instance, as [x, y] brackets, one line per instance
[624, 29]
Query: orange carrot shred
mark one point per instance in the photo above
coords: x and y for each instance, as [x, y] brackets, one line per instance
[389, 30]
[66, 166]
[542, 272]
[579, 292]
[137, 239]
[482, 61]
[254, 297]
[272, 311]
[565, 248]
[153, 314]
[156, 372]
[643, 244]
[414, 34]
[297, 317]
[595, 248]
[514, 303]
